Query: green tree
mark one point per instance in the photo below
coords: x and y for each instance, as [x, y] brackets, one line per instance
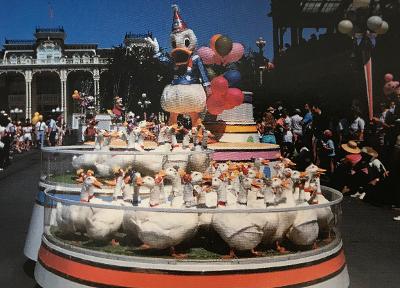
[133, 71]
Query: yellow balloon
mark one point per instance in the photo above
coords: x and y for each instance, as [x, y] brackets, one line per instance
[35, 118]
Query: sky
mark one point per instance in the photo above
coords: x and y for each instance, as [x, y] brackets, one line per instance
[105, 22]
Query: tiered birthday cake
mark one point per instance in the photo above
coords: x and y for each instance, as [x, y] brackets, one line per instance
[237, 135]
[236, 125]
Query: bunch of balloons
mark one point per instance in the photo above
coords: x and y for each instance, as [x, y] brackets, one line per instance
[223, 97]
[222, 51]
[225, 94]
[85, 101]
[35, 118]
[391, 86]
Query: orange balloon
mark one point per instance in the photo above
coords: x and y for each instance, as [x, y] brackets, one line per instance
[213, 40]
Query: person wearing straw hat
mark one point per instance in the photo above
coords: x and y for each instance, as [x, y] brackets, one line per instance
[342, 177]
[377, 174]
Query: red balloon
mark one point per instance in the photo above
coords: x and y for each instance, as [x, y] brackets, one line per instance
[215, 105]
[234, 96]
[229, 105]
[219, 85]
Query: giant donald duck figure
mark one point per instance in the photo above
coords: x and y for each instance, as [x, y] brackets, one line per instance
[187, 92]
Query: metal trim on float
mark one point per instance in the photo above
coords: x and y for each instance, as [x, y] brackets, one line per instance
[58, 267]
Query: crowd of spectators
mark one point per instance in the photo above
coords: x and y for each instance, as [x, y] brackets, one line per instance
[20, 136]
[361, 156]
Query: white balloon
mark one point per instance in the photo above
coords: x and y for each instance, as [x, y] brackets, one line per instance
[345, 26]
[374, 23]
[384, 28]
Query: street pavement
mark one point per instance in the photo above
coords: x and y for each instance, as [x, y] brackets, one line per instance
[371, 238]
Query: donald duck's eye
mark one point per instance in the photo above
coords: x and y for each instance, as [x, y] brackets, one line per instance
[173, 44]
[187, 42]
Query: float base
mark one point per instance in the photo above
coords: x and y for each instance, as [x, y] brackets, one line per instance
[60, 267]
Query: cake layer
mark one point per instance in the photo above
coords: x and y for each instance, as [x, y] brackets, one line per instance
[241, 113]
[231, 127]
[247, 146]
[239, 137]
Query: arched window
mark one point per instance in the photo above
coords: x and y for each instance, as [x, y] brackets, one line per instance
[13, 59]
[85, 58]
[76, 58]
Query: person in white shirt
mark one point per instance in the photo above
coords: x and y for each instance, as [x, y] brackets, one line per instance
[40, 129]
[357, 126]
[296, 122]
[27, 135]
[52, 132]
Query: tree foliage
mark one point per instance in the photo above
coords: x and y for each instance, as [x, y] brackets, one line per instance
[131, 72]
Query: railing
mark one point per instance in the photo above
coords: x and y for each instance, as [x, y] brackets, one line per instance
[61, 61]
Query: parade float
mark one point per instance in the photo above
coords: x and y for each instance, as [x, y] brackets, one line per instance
[141, 218]
[138, 209]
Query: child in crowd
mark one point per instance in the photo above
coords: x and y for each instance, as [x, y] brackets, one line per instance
[327, 152]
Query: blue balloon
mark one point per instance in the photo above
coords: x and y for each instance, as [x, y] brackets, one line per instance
[233, 77]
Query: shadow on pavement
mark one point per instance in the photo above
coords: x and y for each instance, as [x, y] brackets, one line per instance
[29, 268]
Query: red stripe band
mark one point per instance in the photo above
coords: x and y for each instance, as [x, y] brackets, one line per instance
[89, 273]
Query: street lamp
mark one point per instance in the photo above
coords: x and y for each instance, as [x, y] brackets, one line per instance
[261, 44]
[144, 102]
[363, 25]
[15, 112]
[57, 110]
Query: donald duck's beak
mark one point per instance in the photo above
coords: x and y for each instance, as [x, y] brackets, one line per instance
[181, 55]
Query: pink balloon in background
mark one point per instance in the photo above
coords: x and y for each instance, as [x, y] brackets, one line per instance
[388, 77]
[234, 96]
[206, 54]
[219, 85]
[235, 54]
[218, 59]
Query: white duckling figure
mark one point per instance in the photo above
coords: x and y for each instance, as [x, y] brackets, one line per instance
[103, 223]
[269, 196]
[186, 94]
[200, 194]
[278, 168]
[161, 230]
[283, 199]
[324, 215]
[72, 218]
[174, 175]
[221, 189]
[119, 184]
[241, 231]
[304, 230]
[89, 183]
[129, 222]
